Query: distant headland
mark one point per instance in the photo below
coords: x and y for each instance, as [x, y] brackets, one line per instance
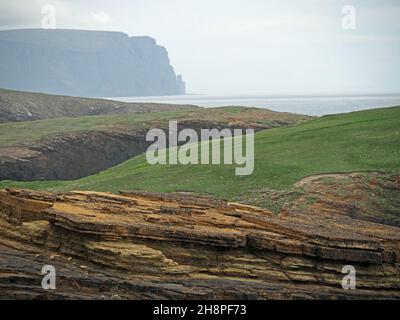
[86, 63]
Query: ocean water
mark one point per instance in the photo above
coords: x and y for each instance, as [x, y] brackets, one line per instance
[313, 106]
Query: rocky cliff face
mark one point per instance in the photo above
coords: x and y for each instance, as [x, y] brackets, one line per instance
[138, 245]
[70, 156]
[85, 63]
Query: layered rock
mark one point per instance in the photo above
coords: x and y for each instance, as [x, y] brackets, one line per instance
[140, 245]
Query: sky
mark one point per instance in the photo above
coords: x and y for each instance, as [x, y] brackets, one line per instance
[274, 47]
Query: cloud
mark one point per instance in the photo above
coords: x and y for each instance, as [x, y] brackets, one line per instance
[91, 20]
[100, 17]
[14, 14]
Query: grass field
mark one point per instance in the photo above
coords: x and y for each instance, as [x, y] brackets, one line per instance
[358, 141]
[19, 132]
[15, 133]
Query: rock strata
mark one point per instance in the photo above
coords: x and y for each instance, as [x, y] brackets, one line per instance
[138, 245]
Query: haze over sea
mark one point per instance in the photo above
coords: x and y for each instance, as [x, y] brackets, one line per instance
[313, 106]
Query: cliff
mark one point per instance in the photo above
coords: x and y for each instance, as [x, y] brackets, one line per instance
[85, 63]
[140, 245]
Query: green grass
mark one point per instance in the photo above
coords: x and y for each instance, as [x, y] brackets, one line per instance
[358, 141]
[15, 133]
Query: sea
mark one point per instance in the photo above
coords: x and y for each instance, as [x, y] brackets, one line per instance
[313, 106]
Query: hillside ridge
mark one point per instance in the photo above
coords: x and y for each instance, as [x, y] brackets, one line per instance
[16, 106]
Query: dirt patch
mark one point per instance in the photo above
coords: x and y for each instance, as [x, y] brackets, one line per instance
[369, 196]
[335, 176]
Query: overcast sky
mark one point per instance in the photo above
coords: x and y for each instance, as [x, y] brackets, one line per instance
[248, 46]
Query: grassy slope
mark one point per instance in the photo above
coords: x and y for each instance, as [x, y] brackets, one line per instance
[18, 132]
[358, 141]
[28, 106]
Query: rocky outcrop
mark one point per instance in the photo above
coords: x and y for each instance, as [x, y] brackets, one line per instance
[140, 245]
[85, 63]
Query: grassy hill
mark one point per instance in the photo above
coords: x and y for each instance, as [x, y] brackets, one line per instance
[18, 106]
[15, 133]
[357, 141]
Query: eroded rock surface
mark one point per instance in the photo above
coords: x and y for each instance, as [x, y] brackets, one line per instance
[143, 246]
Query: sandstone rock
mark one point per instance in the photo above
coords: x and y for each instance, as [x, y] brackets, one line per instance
[145, 246]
